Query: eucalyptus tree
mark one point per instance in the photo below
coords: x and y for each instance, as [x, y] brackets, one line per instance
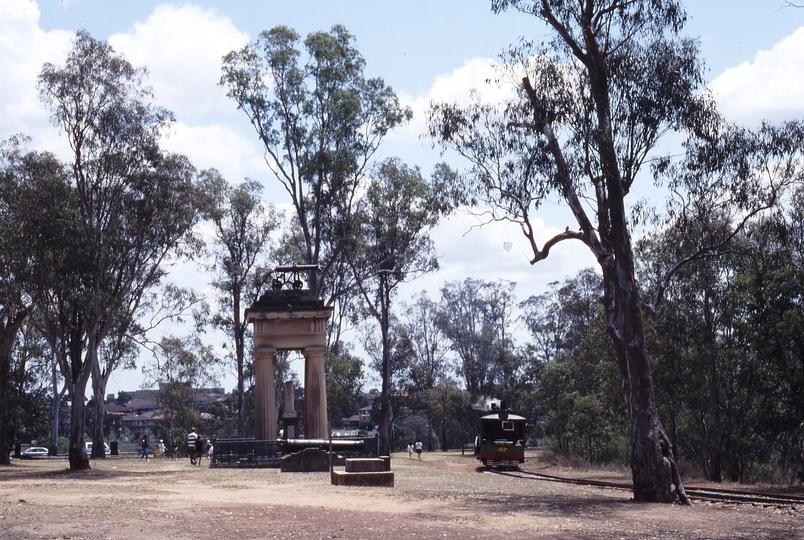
[15, 167]
[181, 366]
[34, 185]
[125, 209]
[590, 111]
[320, 123]
[560, 319]
[242, 227]
[394, 247]
[727, 349]
[578, 383]
[471, 318]
[429, 365]
[344, 381]
[27, 388]
[770, 308]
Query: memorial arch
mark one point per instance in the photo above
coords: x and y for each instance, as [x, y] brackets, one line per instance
[289, 319]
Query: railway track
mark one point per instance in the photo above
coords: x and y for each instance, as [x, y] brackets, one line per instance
[694, 493]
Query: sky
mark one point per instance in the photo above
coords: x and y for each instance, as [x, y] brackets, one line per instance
[426, 50]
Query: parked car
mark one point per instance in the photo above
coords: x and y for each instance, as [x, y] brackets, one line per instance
[34, 452]
[106, 448]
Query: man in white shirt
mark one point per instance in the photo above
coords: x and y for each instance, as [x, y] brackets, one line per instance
[191, 438]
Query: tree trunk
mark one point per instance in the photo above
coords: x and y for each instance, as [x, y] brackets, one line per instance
[98, 391]
[5, 369]
[385, 406]
[55, 407]
[429, 432]
[8, 335]
[444, 424]
[78, 451]
[240, 347]
[653, 468]
[77, 388]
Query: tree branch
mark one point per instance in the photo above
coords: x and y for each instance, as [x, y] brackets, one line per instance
[545, 251]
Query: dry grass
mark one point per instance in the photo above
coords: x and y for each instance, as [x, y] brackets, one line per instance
[443, 496]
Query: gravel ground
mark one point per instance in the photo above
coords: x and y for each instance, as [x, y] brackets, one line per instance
[442, 496]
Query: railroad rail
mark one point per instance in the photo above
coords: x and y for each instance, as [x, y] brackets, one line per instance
[694, 493]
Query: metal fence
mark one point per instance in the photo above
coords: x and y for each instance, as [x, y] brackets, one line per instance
[252, 453]
[245, 453]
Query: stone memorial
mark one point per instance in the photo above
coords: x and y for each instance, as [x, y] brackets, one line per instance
[289, 319]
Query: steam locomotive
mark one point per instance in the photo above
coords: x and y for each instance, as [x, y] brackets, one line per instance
[501, 441]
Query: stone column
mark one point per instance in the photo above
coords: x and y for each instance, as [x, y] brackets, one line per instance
[316, 425]
[290, 419]
[264, 394]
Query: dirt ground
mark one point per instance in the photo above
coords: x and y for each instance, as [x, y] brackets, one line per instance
[442, 496]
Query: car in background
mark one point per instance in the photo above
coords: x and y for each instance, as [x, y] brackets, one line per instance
[106, 449]
[34, 452]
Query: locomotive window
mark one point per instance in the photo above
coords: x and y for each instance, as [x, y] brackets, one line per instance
[507, 425]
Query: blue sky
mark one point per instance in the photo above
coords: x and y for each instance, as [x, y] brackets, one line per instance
[426, 50]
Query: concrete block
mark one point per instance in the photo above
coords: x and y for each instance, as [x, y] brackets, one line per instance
[308, 460]
[363, 479]
[365, 465]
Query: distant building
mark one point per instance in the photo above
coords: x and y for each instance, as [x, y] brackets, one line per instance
[139, 422]
[141, 406]
[364, 415]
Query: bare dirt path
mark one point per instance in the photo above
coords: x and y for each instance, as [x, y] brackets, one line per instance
[442, 496]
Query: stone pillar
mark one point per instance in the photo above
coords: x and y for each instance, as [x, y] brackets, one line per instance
[290, 419]
[316, 425]
[264, 394]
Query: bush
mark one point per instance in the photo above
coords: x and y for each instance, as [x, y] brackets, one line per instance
[62, 445]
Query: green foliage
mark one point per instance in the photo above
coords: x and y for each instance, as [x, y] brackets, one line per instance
[393, 247]
[63, 445]
[242, 226]
[476, 316]
[728, 352]
[344, 382]
[580, 381]
[104, 234]
[180, 367]
[320, 122]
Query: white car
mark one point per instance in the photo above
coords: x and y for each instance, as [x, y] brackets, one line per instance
[106, 449]
[34, 452]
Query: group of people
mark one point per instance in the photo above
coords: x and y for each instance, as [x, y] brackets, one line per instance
[196, 447]
[417, 447]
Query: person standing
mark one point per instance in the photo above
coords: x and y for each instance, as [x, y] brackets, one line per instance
[144, 444]
[162, 448]
[191, 440]
[419, 447]
[410, 450]
[200, 444]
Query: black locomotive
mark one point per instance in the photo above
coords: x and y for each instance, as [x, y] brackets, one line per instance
[501, 441]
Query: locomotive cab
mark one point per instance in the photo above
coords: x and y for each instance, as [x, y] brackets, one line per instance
[501, 441]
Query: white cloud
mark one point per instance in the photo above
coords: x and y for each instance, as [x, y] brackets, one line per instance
[468, 251]
[24, 47]
[452, 87]
[771, 86]
[182, 48]
[218, 146]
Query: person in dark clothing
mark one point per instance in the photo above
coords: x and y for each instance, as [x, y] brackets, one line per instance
[144, 444]
[200, 444]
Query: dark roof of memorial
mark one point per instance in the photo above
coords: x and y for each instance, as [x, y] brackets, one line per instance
[288, 300]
